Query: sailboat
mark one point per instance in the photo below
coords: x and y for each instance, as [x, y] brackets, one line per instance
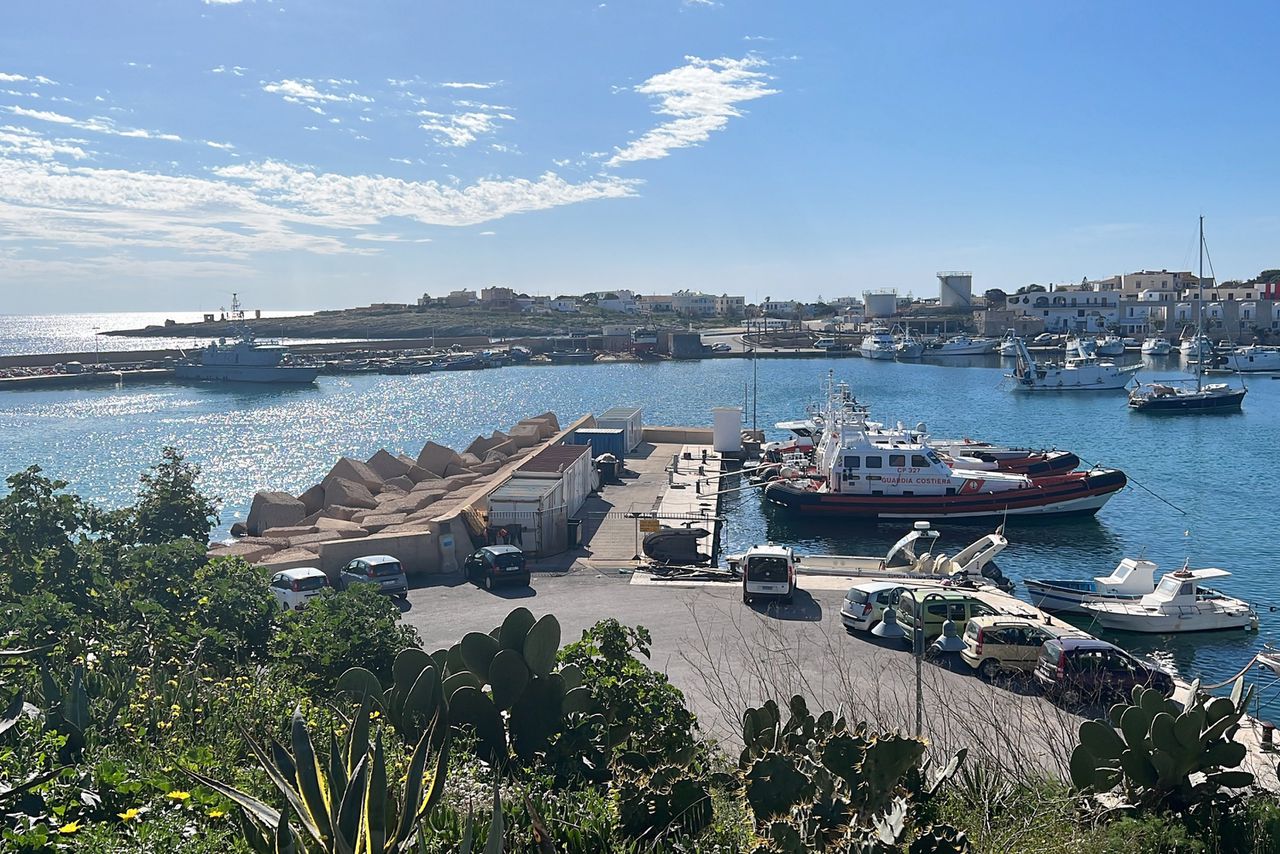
[1169, 396]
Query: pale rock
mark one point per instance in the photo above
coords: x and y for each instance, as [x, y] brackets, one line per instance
[336, 526]
[436, 458]
[307, 540]
[354, 471]
[525, 435]
[386, 465]
[249, 552]
[273, 510]
[340, 512]
[402, 483]
[471, 460]
[290, 558]
[338, 491]
[291, 531]
[313, 499]
[377, 522]
[454, 469]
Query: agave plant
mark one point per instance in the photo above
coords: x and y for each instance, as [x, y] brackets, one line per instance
[343, 800]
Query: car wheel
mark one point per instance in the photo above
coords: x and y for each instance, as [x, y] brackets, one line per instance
[488, 582]
[989, 669]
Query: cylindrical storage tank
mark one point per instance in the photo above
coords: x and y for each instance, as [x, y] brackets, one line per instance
[726, 429]
[880, 304]
[955, 290]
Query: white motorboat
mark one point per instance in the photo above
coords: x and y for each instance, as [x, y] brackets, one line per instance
[1131, 343]
[909, 345]
[1109, 345]
[1178, 604]
[1132, 579]
[878, 344]
[1196, 347]
[1079, 373]
[1254, 359]
[1009, 344]
[1156, 347]
[963, 345]
[1270, 659]
[1082, 346]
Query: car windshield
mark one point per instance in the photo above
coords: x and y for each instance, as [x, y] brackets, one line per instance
[767, 569]
[381, 570]
[509, 559]
[311, 582]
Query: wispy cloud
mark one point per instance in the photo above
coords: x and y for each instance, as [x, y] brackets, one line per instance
[455, 85]
[24, 142]
[237, 70]
[19, 78]
[222, 2]
[96, 124]
[701, 96]
[307, 92]
[458, 130]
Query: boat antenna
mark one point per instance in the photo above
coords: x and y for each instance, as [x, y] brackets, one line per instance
[1213, 273]
[1200, 314]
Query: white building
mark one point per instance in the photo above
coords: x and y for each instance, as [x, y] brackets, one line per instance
[568, 305]
[781, 306]
[1069, 309]
[620, 301]
[728, 306]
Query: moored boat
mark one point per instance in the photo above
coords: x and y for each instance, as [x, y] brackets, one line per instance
[964, 345]
[1254, 358]
[1178, 604]
[1132, 579]
[878, 344]
[1078, 373]
[1156, 347]
[244, 361]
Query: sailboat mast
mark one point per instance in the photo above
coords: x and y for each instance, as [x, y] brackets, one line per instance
[1200, 313]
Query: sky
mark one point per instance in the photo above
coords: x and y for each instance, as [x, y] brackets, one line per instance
[160, 154]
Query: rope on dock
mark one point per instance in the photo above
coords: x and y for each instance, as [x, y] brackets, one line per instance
[1242, 672]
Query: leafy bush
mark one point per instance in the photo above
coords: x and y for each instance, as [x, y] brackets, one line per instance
[359, 627]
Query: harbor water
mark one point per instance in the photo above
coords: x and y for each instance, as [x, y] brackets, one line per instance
[1202, 489]
[31, 334]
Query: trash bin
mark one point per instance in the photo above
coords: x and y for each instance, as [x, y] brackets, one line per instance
[575, 533]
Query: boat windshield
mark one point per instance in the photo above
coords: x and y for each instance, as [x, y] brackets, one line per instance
[767, 568]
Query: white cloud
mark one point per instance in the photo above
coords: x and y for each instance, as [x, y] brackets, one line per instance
[468, 85]
[24, 142]
[221, 2]
[757, 38]
[42, 115]
[305, 91]
[97, 124]
[488, 233]
[458, 130]
[11, 78]
[701, 97]
[225, 146]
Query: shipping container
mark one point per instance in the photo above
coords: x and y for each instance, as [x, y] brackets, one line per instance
[533, 512]
[611, 440]
[629, 419]
[570, 463]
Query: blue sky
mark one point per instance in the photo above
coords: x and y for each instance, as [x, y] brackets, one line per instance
[158, 155]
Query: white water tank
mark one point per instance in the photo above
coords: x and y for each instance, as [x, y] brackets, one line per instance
[880, 303]
[726, 429]
[955, 289]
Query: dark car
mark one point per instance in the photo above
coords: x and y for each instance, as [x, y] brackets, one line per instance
[493, 565]
[1083, 669]
[382, 570]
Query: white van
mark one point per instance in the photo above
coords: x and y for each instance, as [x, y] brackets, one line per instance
[768, 572]
[824, 343]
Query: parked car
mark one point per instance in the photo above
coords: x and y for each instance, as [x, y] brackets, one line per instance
[865, 604]
[1084, 669]
[382, 570]
[939, 606]
[1007, 644]
[824, 343]
[492, 565]
[293, 587]
[721, 347]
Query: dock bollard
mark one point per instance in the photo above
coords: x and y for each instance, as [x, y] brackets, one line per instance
[1268, 736]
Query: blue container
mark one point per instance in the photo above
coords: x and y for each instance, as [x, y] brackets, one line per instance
[602, 440]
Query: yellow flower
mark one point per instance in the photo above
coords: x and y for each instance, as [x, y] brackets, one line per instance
[69, 828]
[131, 814]
[179, 796]
[215, 813]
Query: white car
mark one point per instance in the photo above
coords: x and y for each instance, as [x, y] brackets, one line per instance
[721, 347]
[865, 603]
[293, 587]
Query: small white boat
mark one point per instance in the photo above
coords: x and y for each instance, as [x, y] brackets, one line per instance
[1270, 659]
[1082, 346]
[1156, 347]
[963, 345]
[1079, 373]
[1254, 359]
[1109, 345]
[1132, 343]
[1178, 604]
[1009, 344]
[1131, 580]
[1196, 347]
[878, 344]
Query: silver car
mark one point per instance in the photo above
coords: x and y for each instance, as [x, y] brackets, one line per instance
[382, 570]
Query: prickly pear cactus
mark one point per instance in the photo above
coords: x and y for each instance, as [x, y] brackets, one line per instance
[1153, 749]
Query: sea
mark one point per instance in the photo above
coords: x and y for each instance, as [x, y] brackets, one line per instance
[1202, 489]
[29, 334]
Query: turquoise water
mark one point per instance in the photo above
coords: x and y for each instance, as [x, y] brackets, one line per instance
[1219, 471]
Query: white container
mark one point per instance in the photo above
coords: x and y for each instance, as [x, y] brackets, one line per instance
[726, 429]
[626, 418]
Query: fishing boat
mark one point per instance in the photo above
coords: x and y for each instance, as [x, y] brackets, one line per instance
[963, 345]
[908, 345]
[1078, 373]
[878, 344]
[1009, 344]
[1109, 345]
[571, 357]
[1254, 359]
[1173, 396]
[1132, 579]
[857, 475]
[1178, 604]
[1156, 347]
